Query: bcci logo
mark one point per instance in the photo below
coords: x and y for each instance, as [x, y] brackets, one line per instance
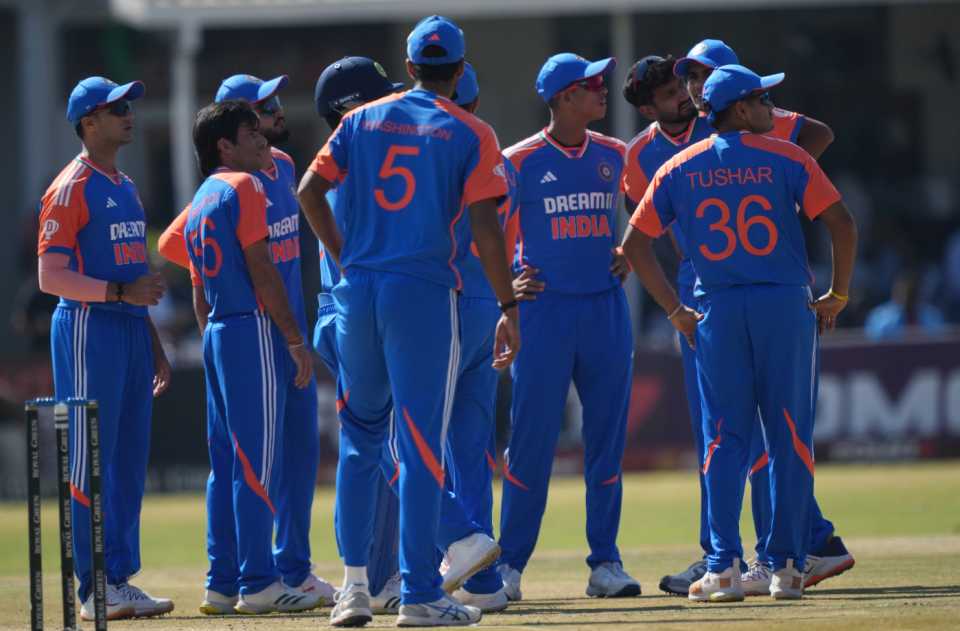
[383, 73]
[605, 171]
[50, 227]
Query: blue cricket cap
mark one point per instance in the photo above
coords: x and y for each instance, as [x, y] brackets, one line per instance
[563, 69]
[728, 84]
[249, 88]
[436, 30]
[93, 92]
[468, 88]
[349, 82]
[712, 53]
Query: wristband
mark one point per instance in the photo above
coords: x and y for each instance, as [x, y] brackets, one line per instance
[839, 297]
[674, 313]
[119, 292]
[506, 306]
[297, 345]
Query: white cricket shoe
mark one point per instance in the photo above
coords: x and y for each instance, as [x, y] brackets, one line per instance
[680, 583]
[756, 582]
[387, 601]
[718, 587]
[353, 606]
[313, 584]
[487, 603]
[466, 557]
[445, 612]
[832, 559]
[608, 580]
[144, 605]
[117, 607]
[217, 604]
[511, 582]
[277, 597]
[787, 583]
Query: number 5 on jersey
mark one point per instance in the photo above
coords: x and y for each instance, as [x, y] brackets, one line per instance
[388, 170]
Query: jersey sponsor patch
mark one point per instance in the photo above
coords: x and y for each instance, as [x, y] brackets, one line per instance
[50, 227]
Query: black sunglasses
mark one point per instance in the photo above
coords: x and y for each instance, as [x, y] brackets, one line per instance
[270, 107]
[118, 108]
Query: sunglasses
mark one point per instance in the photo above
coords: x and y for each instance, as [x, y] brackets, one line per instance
[270, 107]
[118, 108]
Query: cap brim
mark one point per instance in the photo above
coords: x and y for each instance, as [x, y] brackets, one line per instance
[398, 87]
[771, 80]
[271, 87]
[129, 91]
[600, 67]
[683, 64]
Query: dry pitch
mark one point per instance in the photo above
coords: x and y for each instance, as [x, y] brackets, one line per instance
[902, 522]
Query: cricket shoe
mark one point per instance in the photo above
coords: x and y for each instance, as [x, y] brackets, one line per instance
[466, 557]
[787, 583]
[608, 580]
[831, 559]
[679, 584]
[445, 612]
[217, 604]
[277, 598]
[387, 601]
[352, 608]
[718, 587]
[756, 581]
[486, 603]
[117, 607]
[313, 584]
[511, 582]
[144, 605]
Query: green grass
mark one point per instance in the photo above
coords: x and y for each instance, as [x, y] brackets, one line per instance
[901, 521]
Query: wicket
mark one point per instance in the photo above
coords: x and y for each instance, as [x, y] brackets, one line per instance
[86, 412]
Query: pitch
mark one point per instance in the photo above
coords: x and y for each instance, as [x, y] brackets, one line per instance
[902, 522]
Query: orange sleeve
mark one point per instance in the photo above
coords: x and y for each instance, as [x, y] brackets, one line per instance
[251, 211]
[172, 245]
[195, 278]
[63, 213]
[330, 162]
[819, 193]
[487, 180]
[635, 182]
[784, 125]
[645, 218]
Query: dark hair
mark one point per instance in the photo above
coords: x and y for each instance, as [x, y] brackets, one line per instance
[216, 121]
[639, 90]
[720, 118]
[79, 129]
[436, 72]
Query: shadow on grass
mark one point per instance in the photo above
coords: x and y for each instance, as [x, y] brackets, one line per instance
[896, 592]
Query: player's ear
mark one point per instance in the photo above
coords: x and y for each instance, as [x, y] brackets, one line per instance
[224, 148]
[411, 70]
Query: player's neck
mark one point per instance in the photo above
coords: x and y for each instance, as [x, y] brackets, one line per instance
[102, 157]
[674, 129]
[440, 88]
[567, 133]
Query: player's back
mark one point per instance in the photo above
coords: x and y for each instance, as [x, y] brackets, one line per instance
[735, 197]
[227, 214]
[411, 162]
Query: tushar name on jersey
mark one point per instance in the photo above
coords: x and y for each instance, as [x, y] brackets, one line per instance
[583, 225]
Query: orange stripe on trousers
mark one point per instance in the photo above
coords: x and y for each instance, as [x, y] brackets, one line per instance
[798, 445]
[760, 463]
[250, 477]
[711, 448]
[425, 453]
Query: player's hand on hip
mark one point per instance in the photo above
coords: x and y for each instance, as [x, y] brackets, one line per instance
[685, 320]
[827, 307]
[304, 362]
[620, 266]
[145, 291]
[507, 339]
[526, 286]
[161, 373]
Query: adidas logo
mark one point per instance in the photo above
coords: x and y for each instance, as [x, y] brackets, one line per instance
[269, 203]
[289, 599]
[111, 203]
[549, 177]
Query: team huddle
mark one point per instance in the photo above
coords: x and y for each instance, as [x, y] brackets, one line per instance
[444, 260]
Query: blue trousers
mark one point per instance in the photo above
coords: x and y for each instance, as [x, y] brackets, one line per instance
[586, 339]
[756, 349]
[757, 471]
[107, 356]
[249, 375]
[398, 344]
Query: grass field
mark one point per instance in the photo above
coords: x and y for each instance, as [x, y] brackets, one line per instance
[902, 522]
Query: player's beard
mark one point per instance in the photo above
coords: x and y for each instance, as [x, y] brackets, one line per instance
[681, 115]
[275, 137]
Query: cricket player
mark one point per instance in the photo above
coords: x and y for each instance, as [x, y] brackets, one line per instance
[577, 328]
[254, 353]
[298, 465]
[427, 163]
[652, 87]
[735, 197]
[92, 253]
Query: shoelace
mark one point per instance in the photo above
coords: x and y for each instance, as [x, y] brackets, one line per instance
[131, 592]
[756, 570]
[340, 594]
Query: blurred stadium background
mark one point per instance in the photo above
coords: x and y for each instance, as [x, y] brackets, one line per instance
[884, 75]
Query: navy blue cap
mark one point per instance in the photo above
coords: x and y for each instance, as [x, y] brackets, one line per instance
[249, 88]
[563, 69]
[712, 53]
[93, 92]
[436, 30]
[349, 82]
[468, 88]
[728, 84]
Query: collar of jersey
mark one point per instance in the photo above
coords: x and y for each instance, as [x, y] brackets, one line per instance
[680, 140]
[116, 179]
[574, 153]
[273, 171]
